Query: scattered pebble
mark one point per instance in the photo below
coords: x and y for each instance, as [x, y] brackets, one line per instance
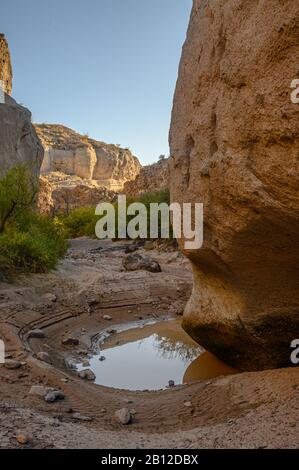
[107, 317]
[188, 404]
[123, 416]
[53, 396]
[39, 334]
[87, 374]
[50, 297]
[11, 364]
[171, 383]
[44, 357]
[70, 341]
[23, 439]
[102, 359]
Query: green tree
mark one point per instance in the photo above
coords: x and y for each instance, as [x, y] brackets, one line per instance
[18, 190]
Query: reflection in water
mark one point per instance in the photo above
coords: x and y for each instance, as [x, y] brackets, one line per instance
[172, 349]
[148, 357]
[206, 366]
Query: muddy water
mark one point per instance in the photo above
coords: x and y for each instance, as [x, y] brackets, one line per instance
[148, 357]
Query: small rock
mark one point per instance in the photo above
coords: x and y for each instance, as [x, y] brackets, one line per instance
[107, 317]
[44, 357]
[22, 439]
[102, 359]
[87, 374]
[50, 297]
[171, 383]
[123, 416]
[188, 404]
[70, 341]
[111, 332]
[80, 417]
[136, 263]
[53, 396]
[11, 364]
[36, 334]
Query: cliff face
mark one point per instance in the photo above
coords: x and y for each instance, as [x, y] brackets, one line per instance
[60, 194]
[68, 152]
[5, 65]
[234, 146]
[19, 143]
[150, 179]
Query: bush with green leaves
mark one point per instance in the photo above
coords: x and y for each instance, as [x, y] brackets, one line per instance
[81, 222]
[28, 242]
[18, 190]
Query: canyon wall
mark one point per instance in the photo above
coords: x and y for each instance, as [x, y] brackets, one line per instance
[151, 178]
[19, 144]
[234, 142]
[5, 65]
[70, 153]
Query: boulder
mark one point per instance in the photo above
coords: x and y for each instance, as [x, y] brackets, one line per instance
[234, 147]
[136, 262]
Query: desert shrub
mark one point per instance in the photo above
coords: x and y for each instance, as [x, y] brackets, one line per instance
[17, 193]
[28, 242]
[32, 244]
[147, 199]
[80, 222]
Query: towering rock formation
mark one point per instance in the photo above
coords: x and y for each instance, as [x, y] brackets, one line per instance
[19, 143]
[234, 146]
[5, 65]
[151, 178]
[70, 153]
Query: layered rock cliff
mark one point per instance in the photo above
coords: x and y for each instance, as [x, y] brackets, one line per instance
[151, 178]
[234, 146]
[68, 152]
[5, 65]
[19, 144]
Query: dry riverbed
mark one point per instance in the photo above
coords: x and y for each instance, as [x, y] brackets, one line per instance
[49, 322]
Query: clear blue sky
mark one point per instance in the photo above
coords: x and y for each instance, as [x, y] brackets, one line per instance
[103, 67]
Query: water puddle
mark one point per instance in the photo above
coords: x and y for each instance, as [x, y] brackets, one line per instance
[148, 357]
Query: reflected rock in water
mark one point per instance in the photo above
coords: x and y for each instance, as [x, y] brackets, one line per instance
[207, 366]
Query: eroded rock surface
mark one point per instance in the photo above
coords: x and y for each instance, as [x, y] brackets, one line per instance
[19, 144]
[151, 178]
[68, 152]
[5, 65]
[234, 147]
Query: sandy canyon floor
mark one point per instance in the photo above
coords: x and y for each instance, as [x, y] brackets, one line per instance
[247, 410]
